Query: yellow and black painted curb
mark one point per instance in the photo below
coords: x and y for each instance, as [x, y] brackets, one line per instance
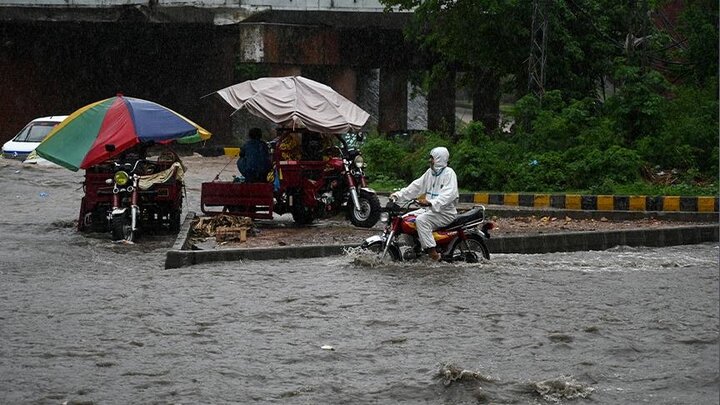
[596, 202]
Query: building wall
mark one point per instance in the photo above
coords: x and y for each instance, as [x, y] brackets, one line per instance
[56, 68]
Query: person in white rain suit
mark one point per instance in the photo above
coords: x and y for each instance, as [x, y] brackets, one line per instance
[437, 189]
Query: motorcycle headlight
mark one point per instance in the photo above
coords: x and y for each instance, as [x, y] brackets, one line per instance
[359, 162]
[121, 178]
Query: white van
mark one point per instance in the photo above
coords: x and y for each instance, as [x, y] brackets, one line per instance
[30, 137]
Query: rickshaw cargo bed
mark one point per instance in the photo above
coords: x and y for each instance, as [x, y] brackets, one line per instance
[249, 199]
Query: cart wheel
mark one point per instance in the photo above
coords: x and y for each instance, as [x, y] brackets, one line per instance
[175, 221]
[301, 214]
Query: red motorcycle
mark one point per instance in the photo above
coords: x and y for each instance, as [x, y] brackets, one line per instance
[462, 240]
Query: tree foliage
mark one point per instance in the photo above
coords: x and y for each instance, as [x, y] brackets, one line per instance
[629, 90]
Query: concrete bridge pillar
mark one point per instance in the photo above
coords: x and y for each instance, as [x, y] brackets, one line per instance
[441, 105]
[392, 109]
[343, 80]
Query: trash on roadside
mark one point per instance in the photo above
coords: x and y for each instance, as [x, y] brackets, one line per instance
[227, 224]
[231, 233]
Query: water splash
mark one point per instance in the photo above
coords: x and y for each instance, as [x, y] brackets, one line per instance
[450, 373]
[366, 258]
[564, 387]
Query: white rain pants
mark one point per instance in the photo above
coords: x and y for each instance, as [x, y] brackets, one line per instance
[426, 221]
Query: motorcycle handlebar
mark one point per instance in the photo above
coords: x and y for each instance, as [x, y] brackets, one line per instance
[129, 166]
[393, 206]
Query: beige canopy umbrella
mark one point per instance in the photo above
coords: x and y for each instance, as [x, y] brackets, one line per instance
[296, 102]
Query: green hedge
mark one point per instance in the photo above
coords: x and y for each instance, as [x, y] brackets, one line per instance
[576, 145]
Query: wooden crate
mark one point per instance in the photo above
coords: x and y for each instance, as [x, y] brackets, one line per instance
[231, 233]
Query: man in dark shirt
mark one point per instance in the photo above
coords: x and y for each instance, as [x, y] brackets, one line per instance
[254, 162]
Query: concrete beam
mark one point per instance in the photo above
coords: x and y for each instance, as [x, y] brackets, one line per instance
[289, 44]
[353, 14]
[127, 13]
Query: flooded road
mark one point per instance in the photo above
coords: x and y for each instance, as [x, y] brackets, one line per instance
[83, 320]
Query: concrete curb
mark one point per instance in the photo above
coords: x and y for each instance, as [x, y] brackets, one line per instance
[182, 255]
[579, 241]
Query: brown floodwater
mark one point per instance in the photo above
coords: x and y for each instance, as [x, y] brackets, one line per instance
[85, 320]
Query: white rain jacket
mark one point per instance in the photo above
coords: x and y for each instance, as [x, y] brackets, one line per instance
[439, 184]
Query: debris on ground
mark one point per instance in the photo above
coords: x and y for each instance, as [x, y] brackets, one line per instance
[224, 226]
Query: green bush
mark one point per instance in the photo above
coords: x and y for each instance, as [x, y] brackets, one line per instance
[688, 137]
[637, 106]
[573, 145]
[483, 166]
[384, 159]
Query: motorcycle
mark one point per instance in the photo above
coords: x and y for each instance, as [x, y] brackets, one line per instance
[318, 183]
[339, 186]
[462, 240]
[132, 197]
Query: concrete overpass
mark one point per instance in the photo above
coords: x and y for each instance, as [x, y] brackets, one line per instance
[58, 55]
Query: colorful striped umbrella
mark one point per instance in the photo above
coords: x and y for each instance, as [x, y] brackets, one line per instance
[81, 140]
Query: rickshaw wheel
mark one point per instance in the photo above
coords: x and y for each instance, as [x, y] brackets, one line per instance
[302, 215]
[175, 221]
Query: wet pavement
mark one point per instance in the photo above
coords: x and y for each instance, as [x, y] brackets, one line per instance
[85, 320]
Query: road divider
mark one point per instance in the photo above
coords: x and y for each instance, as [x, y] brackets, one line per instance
[706, 204]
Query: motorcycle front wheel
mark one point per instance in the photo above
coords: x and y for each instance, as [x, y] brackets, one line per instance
[475, 251]
[369, 212]
[121, 228]
[393, 253]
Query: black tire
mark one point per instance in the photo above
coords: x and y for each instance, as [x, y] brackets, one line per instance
[477, 253]
[100, 219]
[121, 228]
[377, 247]
[175, 221]
[369, 212]
[95, 220]
[301, 215]
[175, 217]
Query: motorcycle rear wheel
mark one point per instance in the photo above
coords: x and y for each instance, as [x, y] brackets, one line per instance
[476, 253]
[121, 228]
